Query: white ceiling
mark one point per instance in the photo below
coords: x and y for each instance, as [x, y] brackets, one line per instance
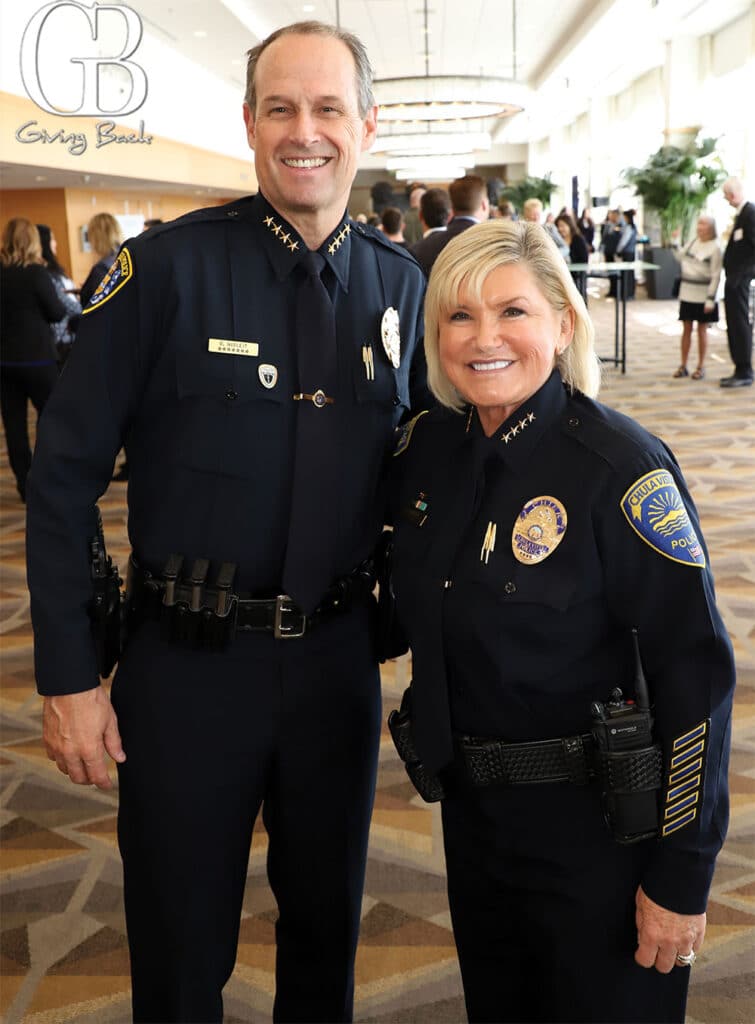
[591, 44]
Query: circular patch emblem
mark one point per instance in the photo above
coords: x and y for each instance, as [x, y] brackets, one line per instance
[538, 530]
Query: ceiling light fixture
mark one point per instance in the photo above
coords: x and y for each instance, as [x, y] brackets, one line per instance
[429, 143]
[443, 98]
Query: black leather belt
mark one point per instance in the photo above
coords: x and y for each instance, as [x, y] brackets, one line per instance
[209, 615]
[569, 759]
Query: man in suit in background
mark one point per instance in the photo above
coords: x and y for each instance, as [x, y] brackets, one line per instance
[470, 205]
[739, 264]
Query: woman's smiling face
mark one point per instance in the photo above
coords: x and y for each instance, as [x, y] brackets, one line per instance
[499, 350]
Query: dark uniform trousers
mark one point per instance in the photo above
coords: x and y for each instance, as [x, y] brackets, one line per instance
[545, 855]
[210, 737]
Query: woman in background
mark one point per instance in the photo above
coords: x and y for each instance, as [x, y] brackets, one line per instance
[27, 353]
[104, 235]
[700, 274]
[626, 251]
[65, 329]
[578, 250]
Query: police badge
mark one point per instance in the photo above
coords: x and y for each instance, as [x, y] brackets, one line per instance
[268, 375]
[389, 330]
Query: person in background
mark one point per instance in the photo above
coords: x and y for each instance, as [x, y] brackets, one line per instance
[540, 539]
[700, 275]
[610, 233]
[532, 211]
[578, 252]
[255, 357]
[434, 211]
[30, 305]
[739, 265]
[586, 227]
[507, 210]
[152, 222]
[412, 225]
[392, 224]
[104, 235]
[626, 249]
[469, 204]
[65, 329]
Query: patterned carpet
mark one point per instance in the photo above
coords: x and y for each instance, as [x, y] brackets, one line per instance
[62, 946]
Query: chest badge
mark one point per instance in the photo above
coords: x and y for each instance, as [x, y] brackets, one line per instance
[389, 331]
[538, 530]
[268, 375]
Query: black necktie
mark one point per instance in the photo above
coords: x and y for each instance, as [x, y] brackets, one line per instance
[309, 567]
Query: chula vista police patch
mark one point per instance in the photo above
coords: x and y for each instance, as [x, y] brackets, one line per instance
[654, 509]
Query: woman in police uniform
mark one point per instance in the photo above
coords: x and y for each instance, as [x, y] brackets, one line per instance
[538, 536]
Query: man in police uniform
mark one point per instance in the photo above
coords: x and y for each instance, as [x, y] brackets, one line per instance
[191, 355]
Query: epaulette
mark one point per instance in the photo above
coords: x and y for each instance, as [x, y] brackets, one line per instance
[607, 433]
[404, 434]
[373, 235]
[207, 215]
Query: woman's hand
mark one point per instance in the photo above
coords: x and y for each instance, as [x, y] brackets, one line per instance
[662, 934]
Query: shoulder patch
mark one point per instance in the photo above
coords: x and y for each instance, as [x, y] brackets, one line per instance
[404, 434]
[654, 509]
[120, 272]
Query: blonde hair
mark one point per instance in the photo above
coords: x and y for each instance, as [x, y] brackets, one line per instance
[22, 245]
[530, 205]
[464, 264]
[104, 233]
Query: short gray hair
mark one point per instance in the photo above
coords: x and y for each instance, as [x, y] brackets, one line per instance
[362, 67]
[465, 263]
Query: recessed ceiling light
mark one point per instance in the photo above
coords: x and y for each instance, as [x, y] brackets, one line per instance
[308, 8]
[200, 33]
[40, 177]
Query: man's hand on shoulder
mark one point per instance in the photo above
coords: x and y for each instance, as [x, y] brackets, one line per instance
[78, 730]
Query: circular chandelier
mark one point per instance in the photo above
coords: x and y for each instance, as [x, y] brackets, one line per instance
[438, 98]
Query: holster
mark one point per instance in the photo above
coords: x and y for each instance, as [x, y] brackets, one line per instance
[391, 640]
[105, 612]
[428, 786]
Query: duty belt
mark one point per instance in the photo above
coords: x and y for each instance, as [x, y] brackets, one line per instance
[196, 613]
[568, 759]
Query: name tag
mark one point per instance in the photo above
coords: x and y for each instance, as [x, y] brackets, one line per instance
[230, 347]
[738, 235]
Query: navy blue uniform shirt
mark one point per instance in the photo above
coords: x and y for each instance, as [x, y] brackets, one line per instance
[187, 354]
[522, 563]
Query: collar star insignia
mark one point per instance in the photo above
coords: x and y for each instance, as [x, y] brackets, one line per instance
[281, 234]
[338, 239]
[518, 428]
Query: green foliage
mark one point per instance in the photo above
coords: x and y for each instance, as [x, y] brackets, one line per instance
[528, 188]
[675, 182]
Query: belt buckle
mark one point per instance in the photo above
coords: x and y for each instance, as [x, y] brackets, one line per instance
[285, 606]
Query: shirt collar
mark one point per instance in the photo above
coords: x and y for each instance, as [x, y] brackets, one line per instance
[285, 247]
[515, 440]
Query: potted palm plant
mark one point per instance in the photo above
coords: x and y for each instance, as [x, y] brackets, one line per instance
[530, 187]
[674, 183]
